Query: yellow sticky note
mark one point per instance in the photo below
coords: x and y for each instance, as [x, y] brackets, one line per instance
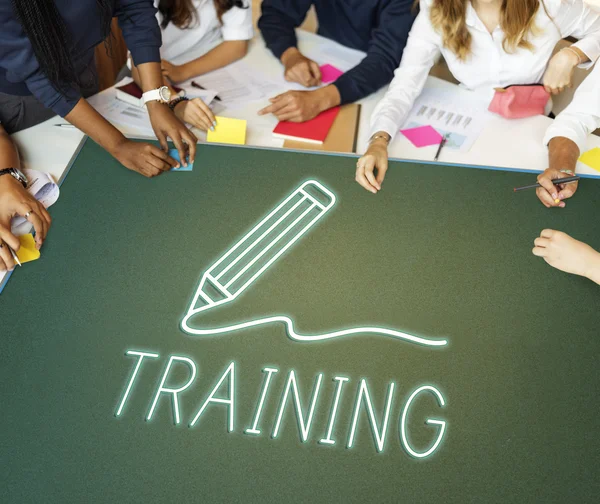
[229, 131]
[592, 158]
[27, 252]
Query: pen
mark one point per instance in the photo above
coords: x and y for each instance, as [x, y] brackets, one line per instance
[566, 180]
[442, 143]
[14, 255]
[196, 85]
[66, 126]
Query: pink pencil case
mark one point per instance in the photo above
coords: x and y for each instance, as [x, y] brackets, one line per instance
[517, 102]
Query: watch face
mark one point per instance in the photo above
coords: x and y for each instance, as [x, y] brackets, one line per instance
[165, 93]
[20, 175]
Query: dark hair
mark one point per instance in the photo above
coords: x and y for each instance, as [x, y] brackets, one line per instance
[182, 12]
[50, 37]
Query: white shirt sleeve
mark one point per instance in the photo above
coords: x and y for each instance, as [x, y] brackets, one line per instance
[582, 116]
[421, 51]
[237, 24]
[575, 19]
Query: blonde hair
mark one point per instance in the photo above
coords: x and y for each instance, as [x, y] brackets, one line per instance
[516, 20]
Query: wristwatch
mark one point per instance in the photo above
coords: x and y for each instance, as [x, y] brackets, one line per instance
[161, 95]
[16, 173]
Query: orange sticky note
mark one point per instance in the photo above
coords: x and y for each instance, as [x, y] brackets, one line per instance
[27, 252]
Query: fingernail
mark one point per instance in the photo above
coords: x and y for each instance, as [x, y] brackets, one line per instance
[177, 165]
[212, 128]
[214, 123]
[562, 205]
[554, 195]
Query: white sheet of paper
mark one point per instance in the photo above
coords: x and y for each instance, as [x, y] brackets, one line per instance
[450, 114]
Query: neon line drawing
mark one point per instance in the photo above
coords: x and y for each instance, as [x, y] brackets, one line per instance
[257, 251]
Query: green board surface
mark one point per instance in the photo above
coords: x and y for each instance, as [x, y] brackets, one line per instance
[441, 252]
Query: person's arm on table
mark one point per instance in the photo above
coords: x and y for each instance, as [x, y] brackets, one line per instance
[137, 20]
[563, 252]
[225, 53]
[278, 20]
[566, 139]
[387, 43]
[15, 200]
[577, 20]
[422, 49]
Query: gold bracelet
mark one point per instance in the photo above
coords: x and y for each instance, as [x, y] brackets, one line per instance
[384, 136]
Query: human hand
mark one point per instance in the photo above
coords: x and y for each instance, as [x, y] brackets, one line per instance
[197, 113]
[166, 124]
[174, 73]
[550, 193]
[297, 106]
[376, 158]
[15, 200]
[143, 158]
[565, 253]
[559, 73]
[300, 69]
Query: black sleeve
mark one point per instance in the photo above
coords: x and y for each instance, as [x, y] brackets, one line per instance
[388, 39]
[278, 20]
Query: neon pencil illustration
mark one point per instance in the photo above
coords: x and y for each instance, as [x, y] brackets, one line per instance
[257, 251]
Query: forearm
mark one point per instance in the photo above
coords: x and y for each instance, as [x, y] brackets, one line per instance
[94, 125]
[225, 53]
[563, 154]
[9, 157]
[327, 97]
[135, 74]
[594, 269]
[150, 76]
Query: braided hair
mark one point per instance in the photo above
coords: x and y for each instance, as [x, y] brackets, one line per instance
[182, 12]
[50, 37]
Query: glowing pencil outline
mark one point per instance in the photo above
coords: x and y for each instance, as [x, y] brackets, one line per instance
[210, 303]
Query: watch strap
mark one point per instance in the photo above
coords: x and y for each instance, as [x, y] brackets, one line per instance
[15, 174]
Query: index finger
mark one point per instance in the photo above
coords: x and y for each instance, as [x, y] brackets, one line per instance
[274, 107]
[163, 156]
[191, 142]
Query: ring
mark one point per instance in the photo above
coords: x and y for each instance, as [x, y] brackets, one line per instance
[28, 214]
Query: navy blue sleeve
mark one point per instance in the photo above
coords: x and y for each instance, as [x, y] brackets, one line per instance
[388, 40]
[137, 19]
[278, 21]
[19, 61]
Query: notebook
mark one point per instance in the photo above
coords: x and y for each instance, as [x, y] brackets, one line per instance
[342, 135]
[314, 131]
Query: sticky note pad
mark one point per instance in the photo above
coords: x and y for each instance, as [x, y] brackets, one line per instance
[228, 131]
[422, 136]
[174, 153]
[592, 158]
[329, 73]
[27, 252]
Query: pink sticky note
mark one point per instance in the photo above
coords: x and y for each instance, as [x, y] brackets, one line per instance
[422, 136]
[329, 73]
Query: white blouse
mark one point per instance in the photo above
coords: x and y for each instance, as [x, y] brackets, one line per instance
[488, 65]
[206, 32]
[582, 116]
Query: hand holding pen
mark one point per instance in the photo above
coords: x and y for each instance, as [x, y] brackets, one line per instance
[552, 194]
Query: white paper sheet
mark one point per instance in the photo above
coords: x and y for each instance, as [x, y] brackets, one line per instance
[460, 119]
